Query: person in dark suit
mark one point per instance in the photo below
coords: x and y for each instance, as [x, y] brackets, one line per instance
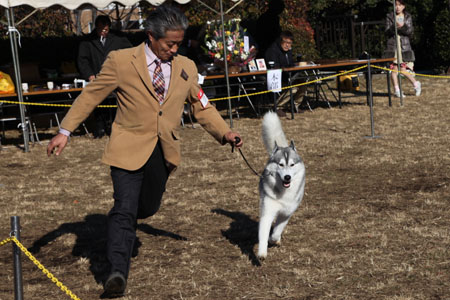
[152, 84]
[92, 52]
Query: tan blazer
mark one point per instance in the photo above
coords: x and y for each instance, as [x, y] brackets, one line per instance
[140, 119]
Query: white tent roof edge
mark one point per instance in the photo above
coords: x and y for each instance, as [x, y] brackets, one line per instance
[70, 4]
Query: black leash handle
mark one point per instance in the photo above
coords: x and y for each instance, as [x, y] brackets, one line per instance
[236, 141]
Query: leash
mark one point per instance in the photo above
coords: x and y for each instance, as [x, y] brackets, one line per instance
[237, 140]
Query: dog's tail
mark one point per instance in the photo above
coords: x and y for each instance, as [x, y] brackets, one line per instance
[272, 132]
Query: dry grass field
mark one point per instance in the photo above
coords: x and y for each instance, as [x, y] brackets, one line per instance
[374, 222]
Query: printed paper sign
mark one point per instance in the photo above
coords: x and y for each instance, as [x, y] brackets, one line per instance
[274, 80]
[203, 98]
[246, 44]
[201, 79]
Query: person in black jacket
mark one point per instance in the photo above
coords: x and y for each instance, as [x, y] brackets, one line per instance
[92, 52]
[279, 55]
[280, 51]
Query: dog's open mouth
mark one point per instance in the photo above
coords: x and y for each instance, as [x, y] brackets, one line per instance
[286, 184]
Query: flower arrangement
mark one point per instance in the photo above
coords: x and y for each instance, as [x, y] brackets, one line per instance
[237, 53]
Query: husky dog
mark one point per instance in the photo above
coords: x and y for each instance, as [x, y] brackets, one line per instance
[281, 186]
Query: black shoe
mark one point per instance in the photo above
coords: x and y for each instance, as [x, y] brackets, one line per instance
[115, 285]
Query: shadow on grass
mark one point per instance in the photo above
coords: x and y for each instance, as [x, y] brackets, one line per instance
[158, 232]
[243, 232]
[91, 240]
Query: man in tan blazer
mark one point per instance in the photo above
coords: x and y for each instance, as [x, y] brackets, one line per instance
[152, 84]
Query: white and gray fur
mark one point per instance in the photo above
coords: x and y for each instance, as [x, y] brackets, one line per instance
[281, 186]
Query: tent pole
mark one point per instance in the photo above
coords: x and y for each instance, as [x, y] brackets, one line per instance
[226, 63]
[15, 56]
[224, 50]
[231, 8]
[29, 15]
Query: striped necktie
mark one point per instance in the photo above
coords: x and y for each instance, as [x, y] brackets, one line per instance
[158, 81]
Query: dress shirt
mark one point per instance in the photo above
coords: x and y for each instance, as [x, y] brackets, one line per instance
[166, 67]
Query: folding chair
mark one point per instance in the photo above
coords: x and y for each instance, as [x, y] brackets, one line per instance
[31, 126]
[319, 92]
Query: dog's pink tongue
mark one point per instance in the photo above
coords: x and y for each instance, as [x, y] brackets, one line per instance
[286, 184]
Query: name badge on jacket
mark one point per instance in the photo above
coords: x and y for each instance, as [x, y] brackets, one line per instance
[184, 75]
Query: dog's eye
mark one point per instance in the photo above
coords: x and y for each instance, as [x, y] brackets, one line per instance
[292, 164]
[281, 165]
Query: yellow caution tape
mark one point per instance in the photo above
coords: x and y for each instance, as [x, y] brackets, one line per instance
[417, 74]
[291, 86]
[49, 104]
[216, 99]
[5, 241]
[40, 266]
[238, 96]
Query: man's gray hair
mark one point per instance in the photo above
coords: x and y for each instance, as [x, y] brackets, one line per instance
[165, 18]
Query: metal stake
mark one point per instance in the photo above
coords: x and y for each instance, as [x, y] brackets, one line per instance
[18, 287]
[369, 87]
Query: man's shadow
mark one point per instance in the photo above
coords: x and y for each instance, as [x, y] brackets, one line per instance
[91, 241]
[243, 232]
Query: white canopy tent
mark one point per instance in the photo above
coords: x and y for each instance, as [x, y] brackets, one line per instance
[70, 4]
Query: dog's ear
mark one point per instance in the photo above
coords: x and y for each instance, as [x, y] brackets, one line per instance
[293, 146]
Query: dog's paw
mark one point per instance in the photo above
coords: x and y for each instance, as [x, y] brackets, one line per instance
[274, 243]
[262, 256]
[262, 252]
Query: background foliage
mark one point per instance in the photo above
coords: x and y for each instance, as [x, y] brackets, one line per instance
[302, 17]
[441, 42]
[431, 24]
[50, 22]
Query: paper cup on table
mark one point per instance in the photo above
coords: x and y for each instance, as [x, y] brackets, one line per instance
[25, 87]
[66, 86]
[50, 85]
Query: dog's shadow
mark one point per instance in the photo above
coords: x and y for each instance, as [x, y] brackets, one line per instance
[243, 232]
[91, 239]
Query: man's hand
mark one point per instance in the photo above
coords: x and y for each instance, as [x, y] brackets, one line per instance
[91, 78]
[58, 142]
[230, 137]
